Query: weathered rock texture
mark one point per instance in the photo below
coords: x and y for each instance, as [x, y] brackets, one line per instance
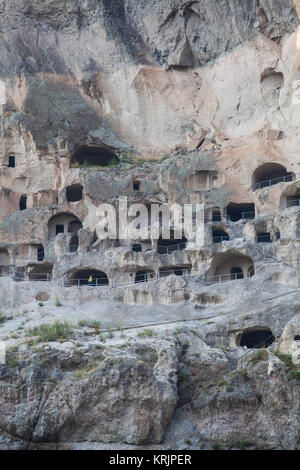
[172, 101]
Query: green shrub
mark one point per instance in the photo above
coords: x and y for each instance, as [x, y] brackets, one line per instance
[3, 319]
[148, 332]
[285, 358]
[259, 356]
[229, 388]
[52, 332]
[294, 374]
[240, 444]
[90, 324]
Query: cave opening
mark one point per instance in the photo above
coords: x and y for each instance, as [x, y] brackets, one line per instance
[11, 161]
[136, 185]
[23, 202]
[41, 273]
[86, 156]
[237, 212]
[82, 276]
[236, 272]
[216, 216]
[293, 201]
[167, 246]
[137, 248]
[219, 236]
[40, 253]
[141, 276]
[74, 193]
[256, 338]
[270, 174]
[263, 237]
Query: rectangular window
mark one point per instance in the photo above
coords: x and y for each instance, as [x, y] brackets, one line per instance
[11, 161]
[137, 248]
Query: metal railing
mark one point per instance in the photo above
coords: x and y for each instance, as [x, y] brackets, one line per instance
[178, 271]
[263, 238]
[166, 250]
[96, 282]
[223, 238]
[244, 216]
[226, 277]
[271, 182]
[293, 202]
[32, 277]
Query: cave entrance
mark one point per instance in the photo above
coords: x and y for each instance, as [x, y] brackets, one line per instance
[86, 156]
[141, 276]
[216, 216]
[41, 273]
[256, 338]
[23, 202]
[63, 223]
[11, 161]
[236, 272]
[40, 253]
[270, 174]
[263, 237]
[81, 277]
[74, 193]
[219, 236]
[293, 201]
[137, 248]
[167, 246]
[237, 212]
[136, 185]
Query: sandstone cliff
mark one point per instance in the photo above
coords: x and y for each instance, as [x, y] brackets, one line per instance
[175, 101]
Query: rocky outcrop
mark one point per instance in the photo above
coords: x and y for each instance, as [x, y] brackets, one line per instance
[178, 392]
[65, 394]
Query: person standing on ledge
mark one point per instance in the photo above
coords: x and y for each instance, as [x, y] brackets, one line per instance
[90, 281]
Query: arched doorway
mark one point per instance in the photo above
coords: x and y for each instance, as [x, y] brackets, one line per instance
[219, 235]
[81, 277]
[256, 338]
[62, 223]
[269, 174]
[228, 266]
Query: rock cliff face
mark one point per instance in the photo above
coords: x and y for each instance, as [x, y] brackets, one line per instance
[168, 101]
